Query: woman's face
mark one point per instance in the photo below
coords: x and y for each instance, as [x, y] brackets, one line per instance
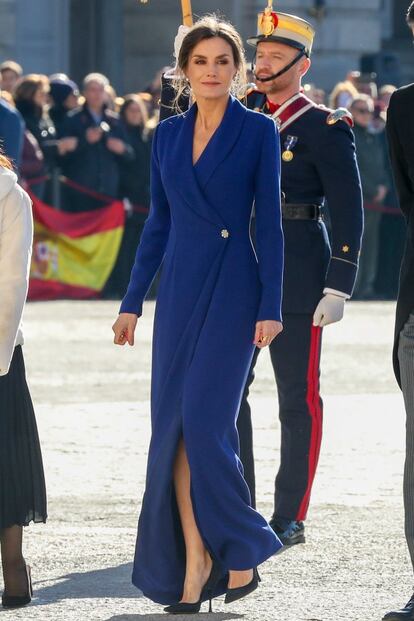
[211, 69]
[40, 96]
[133, 114]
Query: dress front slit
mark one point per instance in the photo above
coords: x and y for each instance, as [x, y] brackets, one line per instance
[210, 296]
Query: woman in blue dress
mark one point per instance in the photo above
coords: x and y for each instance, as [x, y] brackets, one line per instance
[198, 536]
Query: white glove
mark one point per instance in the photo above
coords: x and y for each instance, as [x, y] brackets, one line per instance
[329, 310]
[179, 38]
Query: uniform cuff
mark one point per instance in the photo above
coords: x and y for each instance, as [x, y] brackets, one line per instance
[340, 294]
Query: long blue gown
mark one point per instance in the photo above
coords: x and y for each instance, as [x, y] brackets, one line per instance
[213, 289]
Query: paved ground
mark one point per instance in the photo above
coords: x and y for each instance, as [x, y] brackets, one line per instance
[92, 408]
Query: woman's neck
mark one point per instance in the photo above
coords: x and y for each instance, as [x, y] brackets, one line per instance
[210, 112]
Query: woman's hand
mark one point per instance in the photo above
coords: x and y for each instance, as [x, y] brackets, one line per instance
[124, 328]
[266, 331]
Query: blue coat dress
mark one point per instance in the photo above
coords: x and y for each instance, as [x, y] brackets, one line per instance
[213, 289]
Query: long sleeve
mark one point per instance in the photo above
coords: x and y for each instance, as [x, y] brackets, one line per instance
[153, 242]
[335, 159]
[269, 234]
[401, 173]
[16, 235]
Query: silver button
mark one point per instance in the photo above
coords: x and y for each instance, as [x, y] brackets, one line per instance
[225, 234]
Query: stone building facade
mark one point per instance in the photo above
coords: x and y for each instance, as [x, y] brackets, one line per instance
[129, 40]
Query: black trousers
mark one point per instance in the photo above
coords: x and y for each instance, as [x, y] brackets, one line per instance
[295, 356]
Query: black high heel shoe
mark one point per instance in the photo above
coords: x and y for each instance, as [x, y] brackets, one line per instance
[234, 594]
[184, 608]
[17, 601]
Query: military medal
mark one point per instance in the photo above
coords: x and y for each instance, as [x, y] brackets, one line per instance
[290, 142]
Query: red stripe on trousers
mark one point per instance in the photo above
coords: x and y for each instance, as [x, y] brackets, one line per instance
[315, 412]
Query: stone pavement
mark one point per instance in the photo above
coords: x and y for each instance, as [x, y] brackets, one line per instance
[92, 408]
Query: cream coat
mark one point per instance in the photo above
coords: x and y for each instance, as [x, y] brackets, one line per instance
[16, 235]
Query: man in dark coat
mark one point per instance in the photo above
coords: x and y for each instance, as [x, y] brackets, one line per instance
[400, 131]
[102, 147]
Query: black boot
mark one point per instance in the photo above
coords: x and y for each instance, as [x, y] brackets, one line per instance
[290, 532]
[404, 614]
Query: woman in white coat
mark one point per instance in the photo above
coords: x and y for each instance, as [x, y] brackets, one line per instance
[22, 485]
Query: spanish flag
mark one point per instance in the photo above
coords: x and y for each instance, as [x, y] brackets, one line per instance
[74, 254]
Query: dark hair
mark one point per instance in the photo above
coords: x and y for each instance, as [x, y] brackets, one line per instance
[28, 86]
[410, 14]
[130, 99]
[209, 27]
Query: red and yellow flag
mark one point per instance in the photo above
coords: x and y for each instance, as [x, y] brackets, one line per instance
[74, 254]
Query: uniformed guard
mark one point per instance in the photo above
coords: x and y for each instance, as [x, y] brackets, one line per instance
[318, 168]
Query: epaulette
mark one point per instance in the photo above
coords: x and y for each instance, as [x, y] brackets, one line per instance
[341, 114]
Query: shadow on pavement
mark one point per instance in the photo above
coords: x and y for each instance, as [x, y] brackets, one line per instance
[219, 616]
[112, 582]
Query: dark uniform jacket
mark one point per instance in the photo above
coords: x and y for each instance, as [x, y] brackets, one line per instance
[323, 168]
[94, 165]
[400, 132]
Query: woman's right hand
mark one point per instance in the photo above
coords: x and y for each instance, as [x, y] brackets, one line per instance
[124, 328]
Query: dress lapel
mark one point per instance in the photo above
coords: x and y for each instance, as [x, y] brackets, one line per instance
[222, 142]
[191, 180]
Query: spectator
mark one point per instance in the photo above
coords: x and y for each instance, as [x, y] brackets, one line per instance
[342, 95]
[11, 72]
[33, 167]
[64, 96]
[366, 85]
[154, 89]
[30, 97]
[384, 94]
[317, 95]
[134, 119]
[135, 185]
[372, 167]
[111, 98]
[102, 147]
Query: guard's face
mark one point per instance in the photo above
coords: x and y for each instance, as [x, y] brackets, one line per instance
[271, 58]
[211, 69]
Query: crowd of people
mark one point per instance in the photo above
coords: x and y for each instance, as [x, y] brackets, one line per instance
[98, 146]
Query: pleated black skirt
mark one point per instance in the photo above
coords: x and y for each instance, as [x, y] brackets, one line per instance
[22, 482]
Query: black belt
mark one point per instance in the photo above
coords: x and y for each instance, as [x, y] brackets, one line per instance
[293, 211]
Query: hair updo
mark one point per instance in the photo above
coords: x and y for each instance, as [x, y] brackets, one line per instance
[209, 27]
